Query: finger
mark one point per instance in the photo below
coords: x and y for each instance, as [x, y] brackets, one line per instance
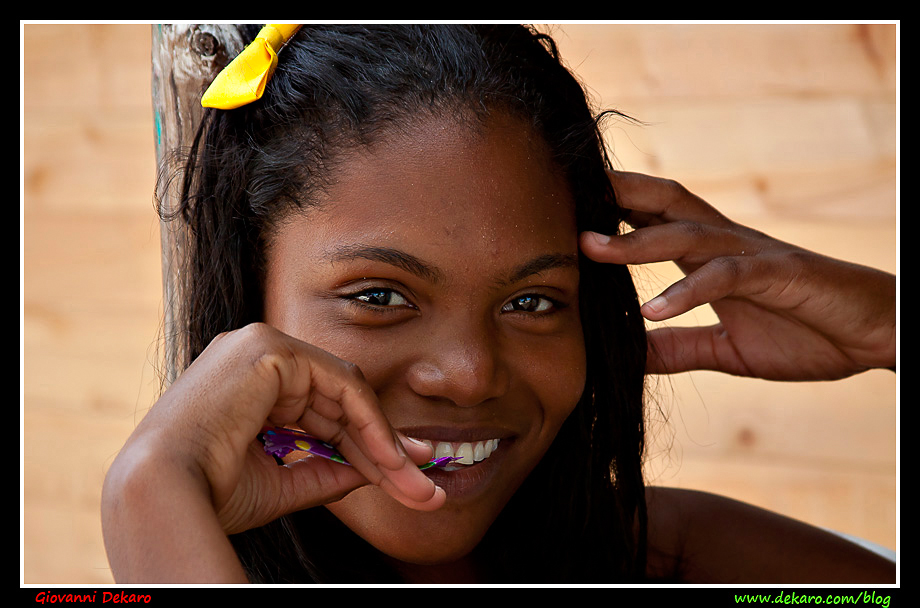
[654, 200]
[303, 477]
[339, 407]
[362, 449]
[689, 243]
[319, 399]
[721, 277]
[420, 453]
[302, 483]
[405, 483]
[673, 350]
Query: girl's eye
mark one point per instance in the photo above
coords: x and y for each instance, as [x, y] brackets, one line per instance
[530, 303]
[381, 297]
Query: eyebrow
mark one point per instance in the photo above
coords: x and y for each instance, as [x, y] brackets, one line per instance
[541, 263]
[391, 256]
[433, 274]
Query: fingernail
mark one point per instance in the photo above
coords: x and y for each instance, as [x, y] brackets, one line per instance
[602, 239]
[412, 441]
[400, 448]
[656, 304]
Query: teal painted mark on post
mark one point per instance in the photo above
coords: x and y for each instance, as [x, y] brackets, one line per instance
[159, 127]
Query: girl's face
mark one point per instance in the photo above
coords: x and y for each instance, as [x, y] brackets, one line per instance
[443, 262]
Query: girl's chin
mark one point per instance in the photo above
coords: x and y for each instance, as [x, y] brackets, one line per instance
[476, 494]
[413, 537]
[429, 537]
[430, 552]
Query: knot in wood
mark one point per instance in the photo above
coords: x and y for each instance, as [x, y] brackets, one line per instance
[204, 43]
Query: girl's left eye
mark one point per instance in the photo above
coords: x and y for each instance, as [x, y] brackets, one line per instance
[530, 303]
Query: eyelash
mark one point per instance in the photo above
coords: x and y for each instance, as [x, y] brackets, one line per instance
[359, 298]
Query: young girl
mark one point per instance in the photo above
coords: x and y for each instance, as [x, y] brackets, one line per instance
[412, 245]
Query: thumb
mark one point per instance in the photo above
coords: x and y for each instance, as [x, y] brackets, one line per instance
[272, 491]
[310, 482]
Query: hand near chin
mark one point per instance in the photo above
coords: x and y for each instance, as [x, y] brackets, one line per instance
[285, 382]
[785, 313]
[193, 470]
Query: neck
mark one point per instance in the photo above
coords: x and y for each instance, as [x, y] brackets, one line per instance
[462, 571]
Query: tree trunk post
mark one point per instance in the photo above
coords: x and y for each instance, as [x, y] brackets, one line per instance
[185, 59]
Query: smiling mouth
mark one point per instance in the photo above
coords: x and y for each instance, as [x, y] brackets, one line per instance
[467, 453]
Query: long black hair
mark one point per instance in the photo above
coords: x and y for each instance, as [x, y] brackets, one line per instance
[580, 515]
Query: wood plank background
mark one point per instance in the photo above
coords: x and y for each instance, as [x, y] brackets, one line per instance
[792, 129]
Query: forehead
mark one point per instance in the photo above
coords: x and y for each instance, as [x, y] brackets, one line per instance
[440, 187]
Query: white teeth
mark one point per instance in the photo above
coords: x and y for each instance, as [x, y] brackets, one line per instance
[442, 450]
[464, 453]
[467, 452]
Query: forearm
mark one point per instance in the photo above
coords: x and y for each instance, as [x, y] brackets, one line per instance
[159, 525]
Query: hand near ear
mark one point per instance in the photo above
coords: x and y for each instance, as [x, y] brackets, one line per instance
[785, 313]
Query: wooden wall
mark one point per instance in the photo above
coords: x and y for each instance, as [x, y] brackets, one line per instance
[789, 128]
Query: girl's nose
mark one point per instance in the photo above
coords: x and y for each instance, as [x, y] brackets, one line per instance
[465, 368]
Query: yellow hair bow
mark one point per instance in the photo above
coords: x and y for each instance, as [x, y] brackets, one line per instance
[243, 80]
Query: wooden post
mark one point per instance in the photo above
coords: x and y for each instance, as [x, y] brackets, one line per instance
[185, 59]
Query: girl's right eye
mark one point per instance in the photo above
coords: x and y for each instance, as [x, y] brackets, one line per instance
[379, 297]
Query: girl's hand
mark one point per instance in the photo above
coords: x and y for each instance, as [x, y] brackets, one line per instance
[785, 313]
[194, 472]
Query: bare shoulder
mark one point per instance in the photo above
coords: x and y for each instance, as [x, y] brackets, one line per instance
[698, 537]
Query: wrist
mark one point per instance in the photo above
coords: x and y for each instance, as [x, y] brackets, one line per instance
[154, 509]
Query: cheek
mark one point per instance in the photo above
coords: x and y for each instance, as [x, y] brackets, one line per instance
[558, 377]
[573, 388]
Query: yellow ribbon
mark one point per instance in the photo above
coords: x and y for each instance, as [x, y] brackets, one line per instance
[243, 80]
